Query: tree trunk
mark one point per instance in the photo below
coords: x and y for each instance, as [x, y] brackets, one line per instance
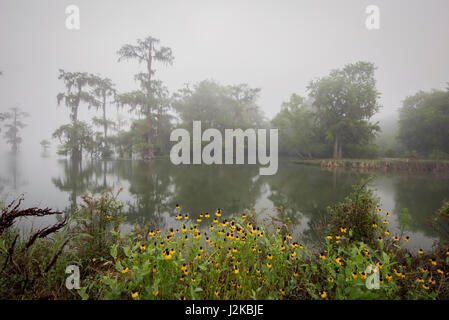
[105, 125]
[340, 152]
[149, 152]
[14, 141]
[336, 147]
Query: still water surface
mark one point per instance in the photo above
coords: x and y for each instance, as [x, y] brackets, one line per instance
[151, 190]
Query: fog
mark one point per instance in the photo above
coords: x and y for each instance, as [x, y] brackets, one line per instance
[278, 46]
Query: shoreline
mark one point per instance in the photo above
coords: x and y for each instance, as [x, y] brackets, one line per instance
[380, 164]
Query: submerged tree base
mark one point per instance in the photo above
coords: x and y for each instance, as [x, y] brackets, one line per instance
[379, 164]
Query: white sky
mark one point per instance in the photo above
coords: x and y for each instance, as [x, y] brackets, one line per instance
[278, 46]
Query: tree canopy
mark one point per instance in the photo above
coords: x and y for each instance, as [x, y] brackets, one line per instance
[424, 122]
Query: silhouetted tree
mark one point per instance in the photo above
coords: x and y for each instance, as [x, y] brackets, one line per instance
[45, 144]
[13, 128]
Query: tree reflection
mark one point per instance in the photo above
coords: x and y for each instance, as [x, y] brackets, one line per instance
[422, 195]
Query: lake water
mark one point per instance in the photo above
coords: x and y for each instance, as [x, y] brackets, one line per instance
[151, 190]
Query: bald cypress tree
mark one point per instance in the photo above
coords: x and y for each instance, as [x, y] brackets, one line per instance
[103, 92]
[148, 99]
[13, 127]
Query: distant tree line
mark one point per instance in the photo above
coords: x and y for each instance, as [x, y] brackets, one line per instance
[334, 119]
[215, 105]
[424, 124]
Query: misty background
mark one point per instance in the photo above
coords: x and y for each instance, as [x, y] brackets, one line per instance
[278, 46]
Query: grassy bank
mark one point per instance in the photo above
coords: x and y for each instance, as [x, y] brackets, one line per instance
[381, 164]
[209, 257]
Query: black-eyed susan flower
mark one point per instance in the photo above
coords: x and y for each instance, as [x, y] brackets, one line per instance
[363, 275]
[329, 237]
[379, 265]
[155, 293]
[387, 214]
[407, 238]
[425, 287]
[186, 217]
[135, 295]
[218, 212]
[387, 233]
[269, 256]
[330, 279]
[420, 280]
[395, 238]
[385, 222]
[269, 265]
[433, 261]
[388, 276]
[216, 293]
[379, 210]
[379, 238]
[142, 248]
[322, 256]
[343, 230]
[354, 275]
[420, 251]
[374, 225]
[338, 260]
[323, 294]
[236, 270]
[125, 270]
[440, 271]
[282, 291]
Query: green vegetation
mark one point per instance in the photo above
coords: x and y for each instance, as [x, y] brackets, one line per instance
[210, 257]
[335, 119]
[423, 124]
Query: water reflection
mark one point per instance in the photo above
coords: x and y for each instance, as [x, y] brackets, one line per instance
[151, 190]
